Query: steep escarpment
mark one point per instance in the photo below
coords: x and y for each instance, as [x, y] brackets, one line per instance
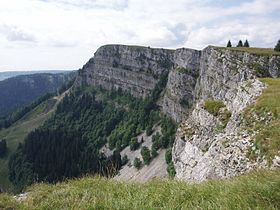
[192, 74]
[130, 68]
[206, 91]
[213, 142]
[137, 70]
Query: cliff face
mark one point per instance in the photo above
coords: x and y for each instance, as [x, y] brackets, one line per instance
[192, 74]
[131, 68]
[215, 145]
[207, 145]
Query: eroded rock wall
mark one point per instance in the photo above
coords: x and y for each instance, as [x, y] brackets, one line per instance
[206, 146]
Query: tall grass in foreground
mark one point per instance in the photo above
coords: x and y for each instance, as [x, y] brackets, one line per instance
[256, 190]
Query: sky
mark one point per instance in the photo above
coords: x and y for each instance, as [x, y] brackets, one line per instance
[64, 34]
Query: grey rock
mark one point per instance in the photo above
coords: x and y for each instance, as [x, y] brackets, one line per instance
[204, 148]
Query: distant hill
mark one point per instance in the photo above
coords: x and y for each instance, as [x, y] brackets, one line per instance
[21, 90]
[9, 74]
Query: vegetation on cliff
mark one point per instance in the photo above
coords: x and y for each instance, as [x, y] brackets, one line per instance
[263, 117]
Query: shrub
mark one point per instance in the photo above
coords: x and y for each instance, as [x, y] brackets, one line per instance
[171, 170]
[146, 155]
[213, 106]
[124, 160]
[137, 163]
[149, 130]
[133, 144]
[154, 151]
[168, 156]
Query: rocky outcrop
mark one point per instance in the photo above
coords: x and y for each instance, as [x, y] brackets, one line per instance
[131, 68]
[206, 149]
[192, 74]
[207, 145]
[179, 92]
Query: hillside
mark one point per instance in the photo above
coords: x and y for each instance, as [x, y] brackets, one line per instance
[16, 133]
[256, 190]
[120, 118]
[21, 90]
[8, 74]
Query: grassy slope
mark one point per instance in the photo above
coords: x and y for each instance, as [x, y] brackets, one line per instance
[256, 190]
[17, 132]
[266, 109]
[253, 50]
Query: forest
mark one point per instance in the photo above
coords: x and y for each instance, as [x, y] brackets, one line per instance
[68, 144]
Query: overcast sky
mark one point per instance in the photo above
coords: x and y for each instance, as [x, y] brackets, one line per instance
[64, 34]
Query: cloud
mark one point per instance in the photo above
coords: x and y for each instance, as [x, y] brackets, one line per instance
[69, 31]
[92, 4]
[13, 33]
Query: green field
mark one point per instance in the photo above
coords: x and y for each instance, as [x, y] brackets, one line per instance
[256, 190]
[17, 132]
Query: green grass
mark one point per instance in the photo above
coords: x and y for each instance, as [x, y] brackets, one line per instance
[213, 106]
[257, 190]
[17, 132]
[267, 109]
[183, 70]
[253, 50]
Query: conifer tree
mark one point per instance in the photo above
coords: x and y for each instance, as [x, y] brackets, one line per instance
[246, 44]
[277, 47]
[229, 44]
[240, 44]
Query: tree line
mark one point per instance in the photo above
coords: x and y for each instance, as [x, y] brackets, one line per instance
[246, 44]
[240, 44]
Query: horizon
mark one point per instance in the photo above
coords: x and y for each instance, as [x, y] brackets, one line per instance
[64, 34]
[35, 70]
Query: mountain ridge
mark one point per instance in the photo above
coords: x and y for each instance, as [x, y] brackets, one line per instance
[205, 92]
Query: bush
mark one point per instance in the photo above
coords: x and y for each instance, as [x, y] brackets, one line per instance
[154, 151]
[213, 106]
[124, 160]
[134, 144]
[146, 155]
[168, 156]
[149, 130]
[171, 170]
[137, 163]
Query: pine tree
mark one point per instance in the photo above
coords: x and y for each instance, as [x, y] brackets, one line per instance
[240, 44]
[246, 44]
[229, 44]
[277, 47]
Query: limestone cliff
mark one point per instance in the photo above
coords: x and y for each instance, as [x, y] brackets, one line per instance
[131, 68]
[207, 145]
[192, 74]
[210, 145]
